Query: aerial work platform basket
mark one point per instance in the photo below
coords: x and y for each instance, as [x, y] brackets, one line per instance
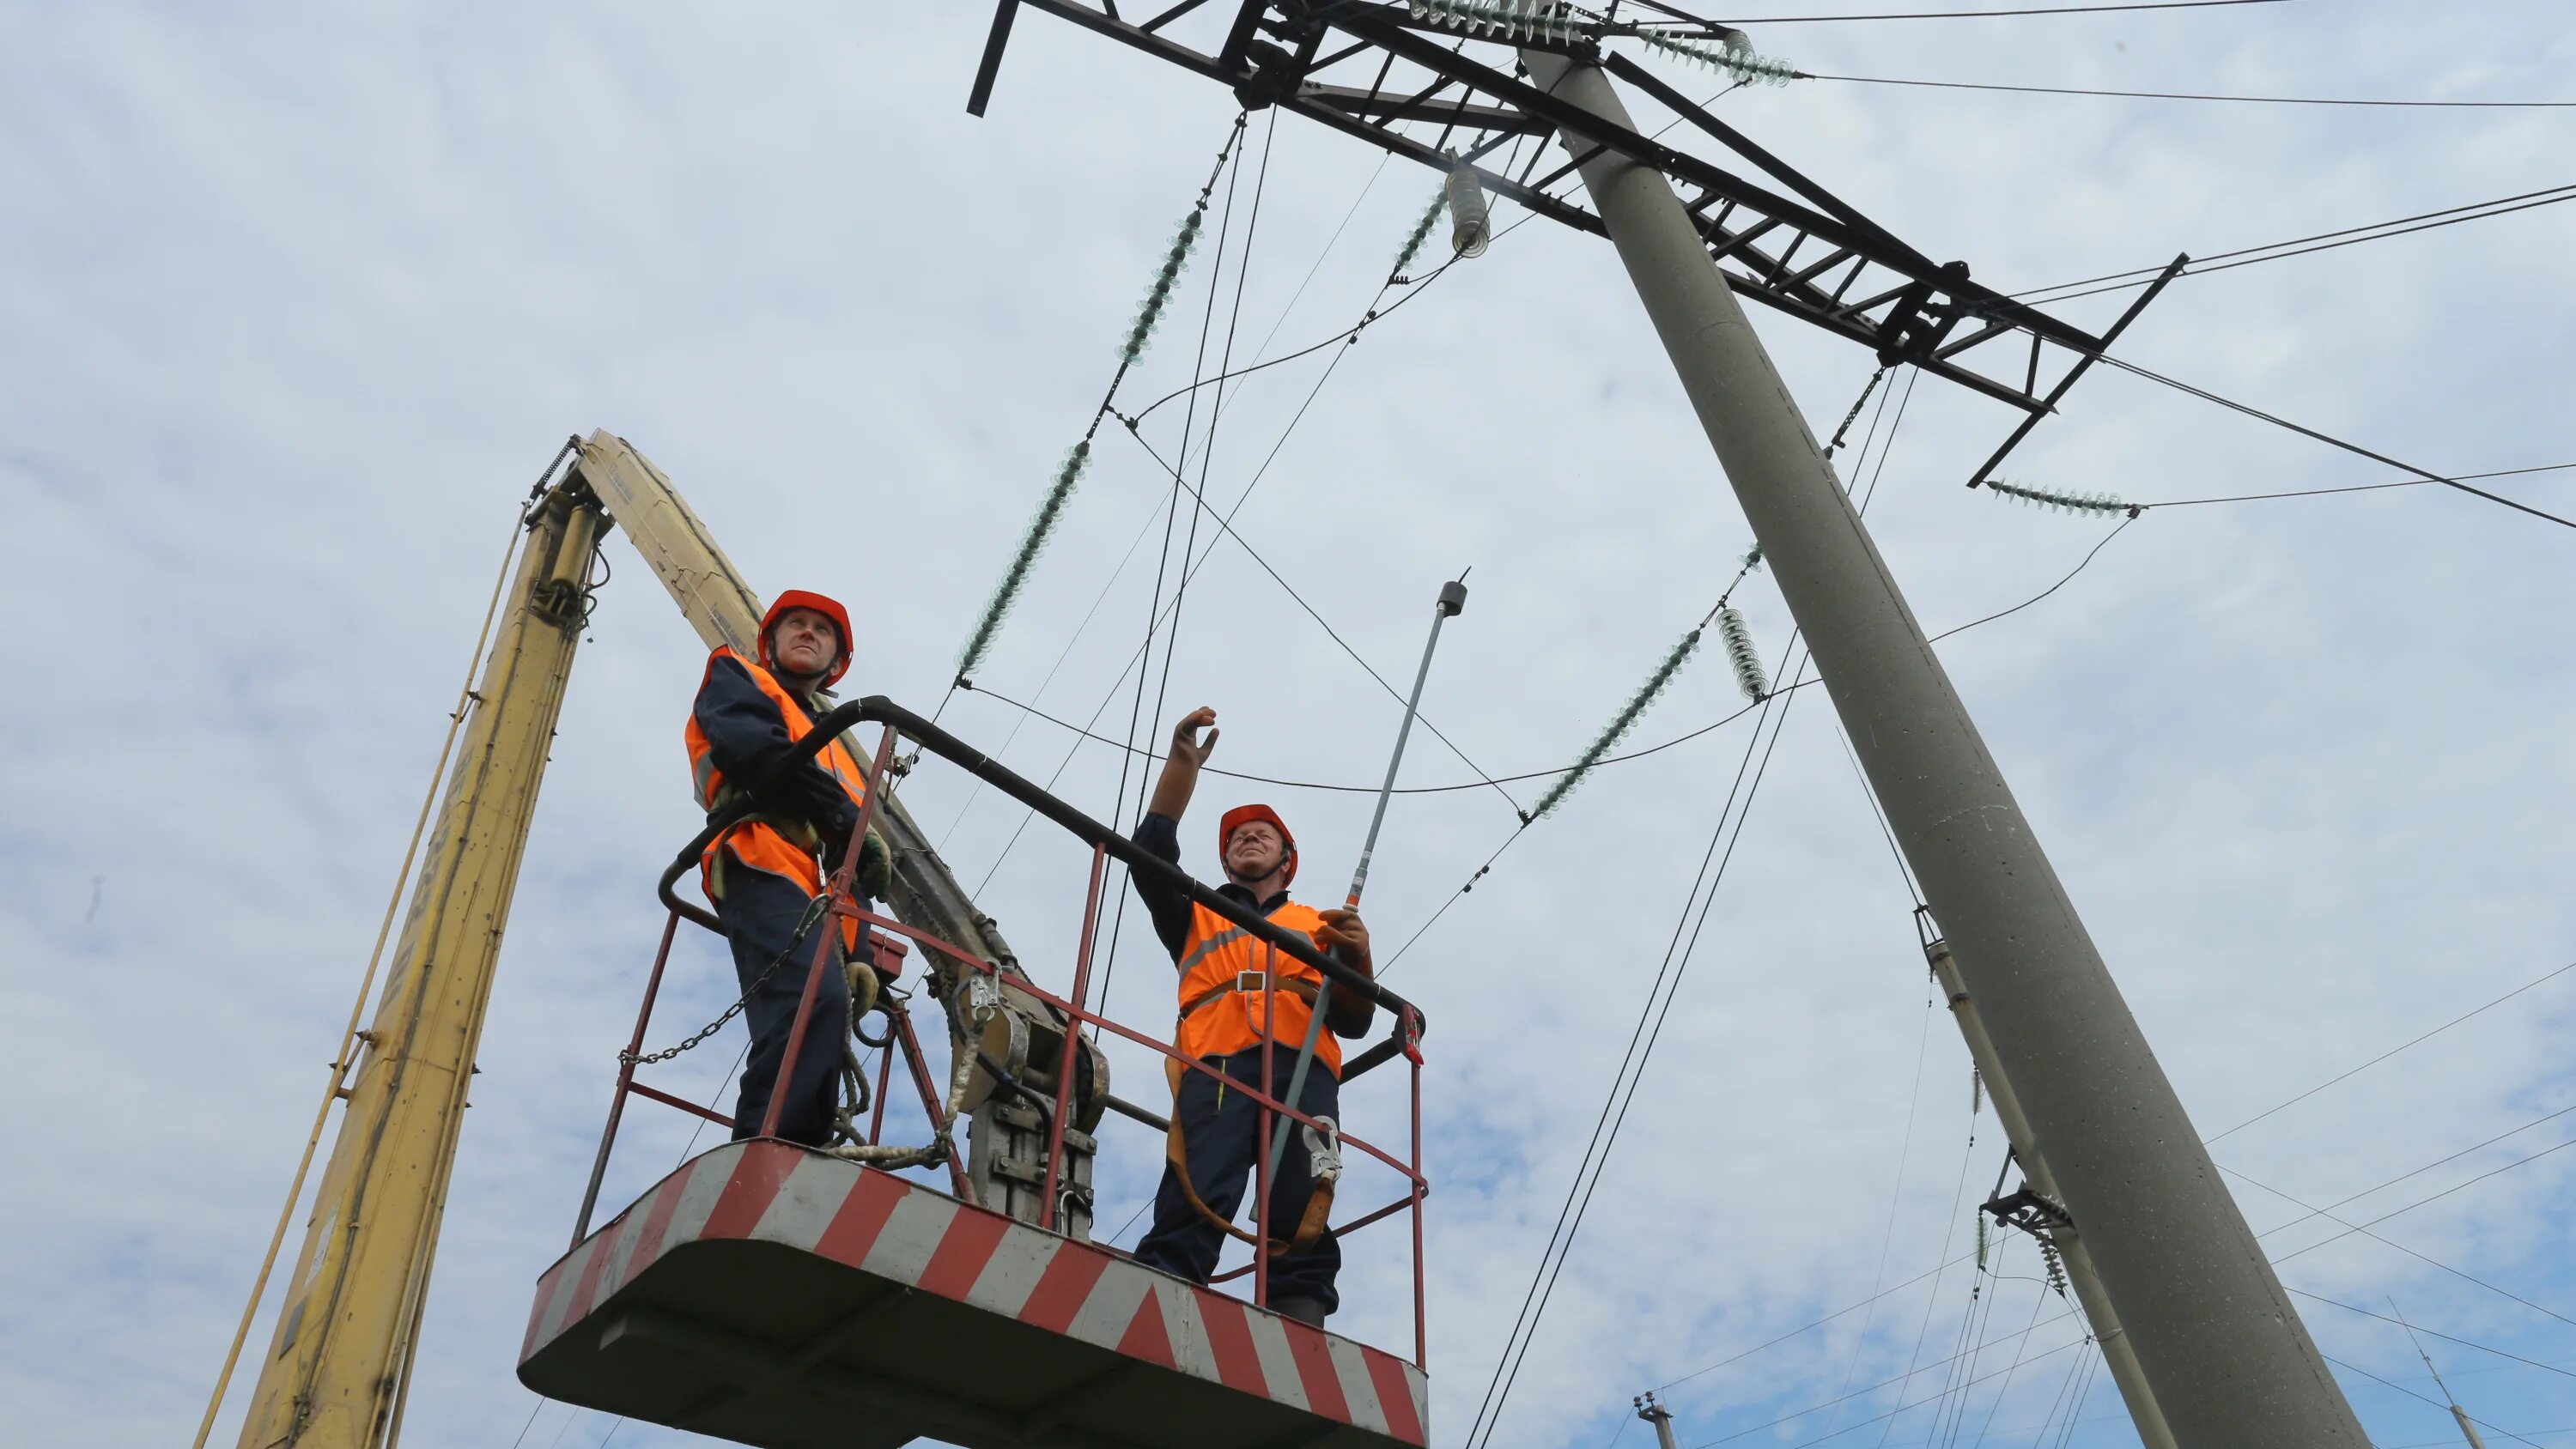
[769, 1294]
[775, 1294]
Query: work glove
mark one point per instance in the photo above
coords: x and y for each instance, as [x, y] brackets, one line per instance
[1343, 934]
[876, 867]
[1347, 938]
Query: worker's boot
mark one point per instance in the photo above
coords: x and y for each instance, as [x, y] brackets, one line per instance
[1308, 1311]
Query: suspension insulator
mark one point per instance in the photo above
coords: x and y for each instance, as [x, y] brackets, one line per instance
[1470, 227]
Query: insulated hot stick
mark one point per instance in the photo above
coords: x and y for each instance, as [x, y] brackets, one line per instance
[1452, 601]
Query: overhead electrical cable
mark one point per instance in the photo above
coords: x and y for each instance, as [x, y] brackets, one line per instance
[2406, 1045]
[2375, 1188]
[1873, 80]
[2421, 1202]
[2410, 1393]
[2330, 440]
[2133, 5]
[1932, 1301]
[1550, 773]
[1041, 528]
[1901, 1409]
[2462, 1274]
[1147, 525]
[1895, 1191]
[2324, 241]
[1225, 521]
[1207, 457]
[2357, 487]
[2437, 1333]
[2310, 1213]
[1227, 526]
[1115, 574]
[1637, 1058]
[1656, 1011]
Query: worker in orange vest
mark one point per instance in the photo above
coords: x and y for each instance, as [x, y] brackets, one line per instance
[1217, 1135]
[766, 874]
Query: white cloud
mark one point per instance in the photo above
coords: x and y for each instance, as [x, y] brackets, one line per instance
[300, 300]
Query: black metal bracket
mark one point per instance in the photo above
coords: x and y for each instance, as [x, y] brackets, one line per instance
[2082, 365]
[2030, 1210]
[1413, 87]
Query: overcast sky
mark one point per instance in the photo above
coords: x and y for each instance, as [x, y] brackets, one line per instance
[295, 302]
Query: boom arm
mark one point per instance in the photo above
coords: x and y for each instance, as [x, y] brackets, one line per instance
[339, 1362]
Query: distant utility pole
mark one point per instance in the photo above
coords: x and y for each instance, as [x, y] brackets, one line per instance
[2232, 1364]
[1657, 1415]
[2460, 1416]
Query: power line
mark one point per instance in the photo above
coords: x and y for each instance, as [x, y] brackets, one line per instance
[2420, 1171]
[2303, 246]
[2355, 488]
[1871, 80]
[1632, 1069]
[2461, 1274]
[2437, 1333]
[2410, 1393]
[2330, 440]
[2411, 1042]
[1983, 14]
[2412, 1206]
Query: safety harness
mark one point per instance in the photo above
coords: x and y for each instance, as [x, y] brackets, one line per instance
[1324, 1147]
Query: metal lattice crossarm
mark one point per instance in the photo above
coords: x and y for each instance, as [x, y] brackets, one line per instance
[1434, 82]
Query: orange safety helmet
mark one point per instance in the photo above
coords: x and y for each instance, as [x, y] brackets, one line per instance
[1242, 815]
[829, 608]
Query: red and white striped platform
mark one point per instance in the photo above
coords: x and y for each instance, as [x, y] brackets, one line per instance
[771, 1295]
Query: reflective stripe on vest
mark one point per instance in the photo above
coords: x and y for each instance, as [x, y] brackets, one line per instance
[782, 848]
[1218, 958]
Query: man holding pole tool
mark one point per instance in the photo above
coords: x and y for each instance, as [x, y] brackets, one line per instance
[1229, 1022]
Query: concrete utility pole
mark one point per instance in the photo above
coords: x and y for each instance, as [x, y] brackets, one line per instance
[2118, 1354]
[1657, 1415]
[2230, 1362]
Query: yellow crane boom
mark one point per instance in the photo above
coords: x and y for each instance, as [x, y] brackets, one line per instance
[339, 1363]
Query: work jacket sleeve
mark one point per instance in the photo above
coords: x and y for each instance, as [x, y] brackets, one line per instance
[745, 738]
[1160, 835]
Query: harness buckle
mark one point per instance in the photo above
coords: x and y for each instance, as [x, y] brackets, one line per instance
[1324, 1149]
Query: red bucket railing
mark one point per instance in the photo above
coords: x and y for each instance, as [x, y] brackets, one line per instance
[886, 936]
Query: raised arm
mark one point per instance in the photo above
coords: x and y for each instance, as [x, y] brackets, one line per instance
[1159, 831]
[1181, 767]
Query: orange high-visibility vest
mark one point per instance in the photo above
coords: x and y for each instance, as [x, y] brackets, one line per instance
[783, 848]
[1223, 1008]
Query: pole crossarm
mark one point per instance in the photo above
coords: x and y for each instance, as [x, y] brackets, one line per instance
[1423, 84]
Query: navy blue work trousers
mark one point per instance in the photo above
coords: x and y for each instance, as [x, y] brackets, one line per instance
[760, 912]
[1221, 1135]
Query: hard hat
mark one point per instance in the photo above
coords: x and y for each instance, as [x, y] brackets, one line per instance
[1242, 815]
[828, 608]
